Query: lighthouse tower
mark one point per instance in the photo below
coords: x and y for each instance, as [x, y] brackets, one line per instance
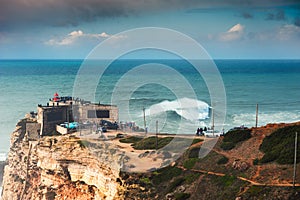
[56, 97]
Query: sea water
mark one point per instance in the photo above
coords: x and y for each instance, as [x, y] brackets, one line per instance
[272, 84]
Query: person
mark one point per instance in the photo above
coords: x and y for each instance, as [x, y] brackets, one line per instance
[201, 131]
[205, 129]
[198, 131]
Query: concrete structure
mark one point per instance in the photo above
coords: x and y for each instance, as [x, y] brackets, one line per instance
[68, 109]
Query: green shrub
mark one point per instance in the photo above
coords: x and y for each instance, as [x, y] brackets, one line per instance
[191, 177]
[236, 136]
[174, 184]
[181, 196]
[150, 143]
[227, 145]
[190, 163]
[231, 138]
[166, 174]
[131, 139]
[280, 146]
[195, 141]
[145, 180]
[222, 160]
[256, 161]
[83, 143]
[194, 152]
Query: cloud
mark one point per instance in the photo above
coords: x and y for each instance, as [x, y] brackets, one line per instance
[74, 36]
[234, 33]
[28, 13]
[247, 15]
[288, 32]
[278, 16]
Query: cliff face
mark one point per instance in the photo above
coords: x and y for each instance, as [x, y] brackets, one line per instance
[61, 167]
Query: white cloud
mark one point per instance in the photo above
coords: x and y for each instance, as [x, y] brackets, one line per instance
[234, 33]
[287, 32]
[72, 37]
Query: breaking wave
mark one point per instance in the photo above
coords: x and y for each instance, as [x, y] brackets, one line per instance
[189, 109]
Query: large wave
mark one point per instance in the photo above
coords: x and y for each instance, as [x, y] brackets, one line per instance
[189, 109]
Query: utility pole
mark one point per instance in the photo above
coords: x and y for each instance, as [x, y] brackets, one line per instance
[213, 120]
[144, 121]
[256, 118]
[156, 134]
[295, 159]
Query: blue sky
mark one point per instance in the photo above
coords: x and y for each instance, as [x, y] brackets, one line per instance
[70, 29]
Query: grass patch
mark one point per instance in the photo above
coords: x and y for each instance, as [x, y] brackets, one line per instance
[190, 178]
[145, 180]
[231, 138]
[190, 163]
[166, 174]
[131, 139]
[150, 143]
[280, 146]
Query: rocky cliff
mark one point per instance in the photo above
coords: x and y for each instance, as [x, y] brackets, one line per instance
[60, 167]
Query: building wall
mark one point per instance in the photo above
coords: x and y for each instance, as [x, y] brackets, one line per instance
[84, 113]
[33, 130]
[49, 117]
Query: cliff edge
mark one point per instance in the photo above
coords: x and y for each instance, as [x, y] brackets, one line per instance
[60, 167]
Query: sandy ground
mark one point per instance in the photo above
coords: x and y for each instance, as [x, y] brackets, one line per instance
[138, 160]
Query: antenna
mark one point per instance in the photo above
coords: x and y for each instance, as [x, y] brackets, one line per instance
[295, 159]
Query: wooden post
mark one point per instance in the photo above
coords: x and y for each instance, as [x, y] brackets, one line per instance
[156, 134]
[213, 120]
[145, 128]
[256, 118]
[295, 159]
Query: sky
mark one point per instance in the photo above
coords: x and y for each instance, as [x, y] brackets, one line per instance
[227, 29]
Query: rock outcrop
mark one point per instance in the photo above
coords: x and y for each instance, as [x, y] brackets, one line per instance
[61, 167]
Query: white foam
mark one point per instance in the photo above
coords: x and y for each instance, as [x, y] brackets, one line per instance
[3, 156]
[189, 109]
[248, 119]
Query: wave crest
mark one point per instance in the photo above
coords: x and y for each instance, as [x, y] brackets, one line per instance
[189, 109]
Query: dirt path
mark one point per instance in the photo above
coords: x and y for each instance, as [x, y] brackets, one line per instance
[241, 178]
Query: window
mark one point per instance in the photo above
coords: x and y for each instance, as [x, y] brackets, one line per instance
[98, 113]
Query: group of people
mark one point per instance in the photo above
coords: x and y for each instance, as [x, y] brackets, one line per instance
[200, 131]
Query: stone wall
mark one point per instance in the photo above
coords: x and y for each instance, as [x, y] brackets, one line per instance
[33, 130]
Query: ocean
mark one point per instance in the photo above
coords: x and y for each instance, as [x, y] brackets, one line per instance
[272, 84]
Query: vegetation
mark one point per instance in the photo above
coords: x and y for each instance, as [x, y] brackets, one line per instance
[280, 146]
[190, 163]
[222, 160]
[256, 161]
[166, 174]
[197, 140]
[145, 180]
[174, 184]
[190, 178]
[181, 196]
[231, 138]
[131, 139]
[150, 143]
[194, 152]
[83, 143]
[227, 145]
